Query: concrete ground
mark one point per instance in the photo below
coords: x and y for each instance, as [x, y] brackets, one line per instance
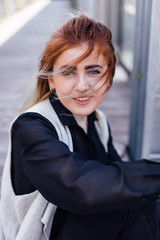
[20, 49]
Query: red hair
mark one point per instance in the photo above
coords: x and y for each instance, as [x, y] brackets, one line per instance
[72, 33]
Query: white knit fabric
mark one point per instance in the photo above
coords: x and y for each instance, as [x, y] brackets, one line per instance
[30, 216]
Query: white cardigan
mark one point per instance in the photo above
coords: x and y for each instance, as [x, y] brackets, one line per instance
[30, 216]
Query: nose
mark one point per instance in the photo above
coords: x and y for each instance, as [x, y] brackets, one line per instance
[82, 84]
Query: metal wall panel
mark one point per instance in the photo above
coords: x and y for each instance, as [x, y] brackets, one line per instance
[151, 138]
[145, 111]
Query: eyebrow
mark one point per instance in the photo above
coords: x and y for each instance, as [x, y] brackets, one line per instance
[93, 66]
[87, 67]
[64, 66]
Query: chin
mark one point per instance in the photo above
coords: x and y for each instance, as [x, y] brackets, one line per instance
[82, 113]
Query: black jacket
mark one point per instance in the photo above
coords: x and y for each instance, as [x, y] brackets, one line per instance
[68, 180]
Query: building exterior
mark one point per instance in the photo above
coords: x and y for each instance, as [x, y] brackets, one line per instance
[136, 33]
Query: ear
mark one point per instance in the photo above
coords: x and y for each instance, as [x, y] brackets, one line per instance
[51, 84]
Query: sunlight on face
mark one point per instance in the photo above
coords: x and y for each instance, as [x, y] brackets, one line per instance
[80, 88]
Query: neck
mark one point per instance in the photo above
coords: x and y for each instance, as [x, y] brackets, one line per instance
[82, 122]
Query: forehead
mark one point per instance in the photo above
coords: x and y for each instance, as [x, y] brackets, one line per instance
[70, 55]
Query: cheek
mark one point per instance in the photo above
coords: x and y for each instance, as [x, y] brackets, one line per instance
[101, 84]
[64, 86]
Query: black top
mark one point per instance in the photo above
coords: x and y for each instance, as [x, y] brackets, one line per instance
[85, 181]
[88, 145]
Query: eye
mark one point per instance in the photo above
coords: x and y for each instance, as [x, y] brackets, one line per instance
[69, 73]
[94, 72]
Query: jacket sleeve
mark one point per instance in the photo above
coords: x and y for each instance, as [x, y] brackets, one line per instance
[84, 187]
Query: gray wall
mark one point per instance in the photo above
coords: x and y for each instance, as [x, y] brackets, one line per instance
[145, 83]
[151, 136]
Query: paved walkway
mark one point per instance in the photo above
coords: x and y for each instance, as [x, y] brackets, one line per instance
[18, 64]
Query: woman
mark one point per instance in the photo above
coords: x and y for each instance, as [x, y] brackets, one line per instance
[63, 178]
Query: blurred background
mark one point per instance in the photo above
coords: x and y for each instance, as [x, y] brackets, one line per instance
[132, 106]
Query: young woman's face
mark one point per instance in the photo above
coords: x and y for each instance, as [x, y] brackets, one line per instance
[81, 88]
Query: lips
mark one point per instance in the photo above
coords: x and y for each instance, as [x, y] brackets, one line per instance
[82, 100]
